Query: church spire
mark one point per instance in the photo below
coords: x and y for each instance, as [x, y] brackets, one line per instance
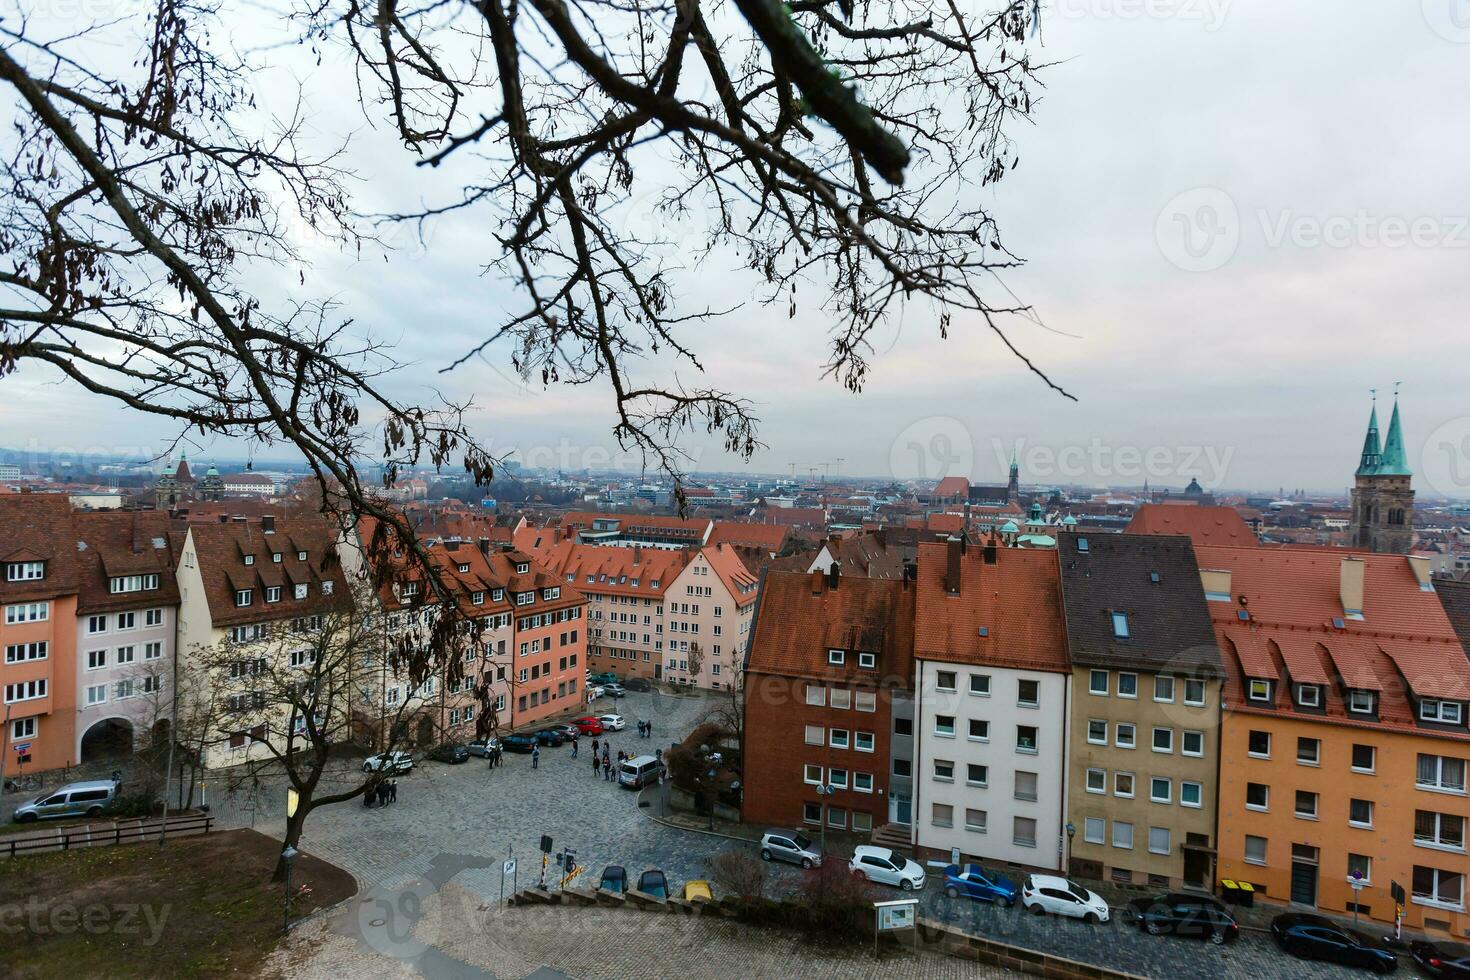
[1394, 462]
[1372, 455]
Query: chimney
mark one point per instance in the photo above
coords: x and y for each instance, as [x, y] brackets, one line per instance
[485, 547]
[952, 568]
[224, 518]
[990, 554]
[834, 572]
[637, 553]
[268, 523]
[1423, 571]
[816, 581]
[1351, 587]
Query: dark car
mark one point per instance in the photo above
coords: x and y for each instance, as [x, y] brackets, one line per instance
[652, 882]
[614, 879]
[1441, 959]
[549, 736]
[604, 678]
[1315, 938]
[973, 881]
[450, 752]
[637, 684]
[1183, 915]
[518, 743]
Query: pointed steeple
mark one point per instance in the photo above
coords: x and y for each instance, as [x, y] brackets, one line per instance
[1394, 461]
[1372, 455]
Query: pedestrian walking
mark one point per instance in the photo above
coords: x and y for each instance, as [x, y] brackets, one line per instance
[606, 770]
[535, 757]
[648, 728]
[367, 797]
[393, 790]
[382, 794]
[574, 748]
[596, 764]
[594, 748]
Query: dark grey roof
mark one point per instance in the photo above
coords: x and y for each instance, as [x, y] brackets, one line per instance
[1455, 597]
[1154, 580]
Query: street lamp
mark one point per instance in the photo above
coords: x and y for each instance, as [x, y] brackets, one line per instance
[825, 790]
[1071, 833]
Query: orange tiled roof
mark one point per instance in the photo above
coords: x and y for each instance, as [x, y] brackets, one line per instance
[741, 581]
[1203, 525]
[614, 570]
[953, 486]
[771, 537]
[801, 617]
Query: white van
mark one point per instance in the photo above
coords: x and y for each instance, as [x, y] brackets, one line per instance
[72, 800]
[638, 773]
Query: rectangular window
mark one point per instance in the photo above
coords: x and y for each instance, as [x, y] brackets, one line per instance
[1435, 887]
[1125, 735]
[837, 778]
[1127, 685]
[1362, 702]
[124, 655]
[903, 727]
[816, 695]
[838, 738]
[836, 657]
[1026, 786]
[944, 725]
[96, 624]
[863, 700]
[1442, 712]
[1123, 785]
[1123, 835]
[1097, 683]
[1023, 832]
[1258, 745]
[1097, 780]
[1194, 692]
[1193, 744]
[980, 685]
[1360, 813]
[1191, 794]
[23, 728]
[1439, 829]
[1158, 840]
[863, 741]
[943, 815]
[979, 730]
[1163, 740]
[1120, 625]
[862, 782]
[976, 820]
[1360, 866]
[153, 617]
[944, 770]
[1255, 849]
[1308, 751]
[1026, 739]
[25, 571]
[1306, 804]
[868, 661]
[1258, 689]
[27, 612]
[1309, 696]
[1163, 687]
[944, 680]
[1257, 796]
[1028, 693]
[17, 653]
[815, 735]
[1094, 830]
[1441, 773]
[1161, 790]
[977, 775]
[242, 597]
[812, 774]
[1097, 731]
[97, 694]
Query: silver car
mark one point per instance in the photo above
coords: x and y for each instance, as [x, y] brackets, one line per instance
[789, 845]
[72, 800]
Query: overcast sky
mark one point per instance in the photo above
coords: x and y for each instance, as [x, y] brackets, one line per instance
[1238, 218]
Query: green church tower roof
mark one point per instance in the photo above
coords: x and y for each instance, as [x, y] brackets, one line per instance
[1394, 461]
[1372, 455]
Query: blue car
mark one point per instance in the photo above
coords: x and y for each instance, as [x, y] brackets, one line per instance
[973, 881]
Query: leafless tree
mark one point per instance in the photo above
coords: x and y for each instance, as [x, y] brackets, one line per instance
[696, 660]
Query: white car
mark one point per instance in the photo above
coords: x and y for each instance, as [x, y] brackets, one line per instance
[612, 723]
[593, 693]
[388, 762]
[886, 867]
[1048, 893]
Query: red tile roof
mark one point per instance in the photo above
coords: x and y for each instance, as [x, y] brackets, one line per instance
[38, 527]
[739, 580]
[1017, 600]
[1203, 525]
[116, 543]
[801, 617]
[796, 516]
[953, 486]
[222, 548]
[769, 537]
[614, 570]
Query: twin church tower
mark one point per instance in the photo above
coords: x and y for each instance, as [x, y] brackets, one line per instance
[1382, 499]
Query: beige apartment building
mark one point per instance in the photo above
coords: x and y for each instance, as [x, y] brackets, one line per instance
[1145, 721]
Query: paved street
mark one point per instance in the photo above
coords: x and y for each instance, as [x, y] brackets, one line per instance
[453, 826]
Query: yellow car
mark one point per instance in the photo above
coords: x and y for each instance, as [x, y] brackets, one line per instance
[697, 891]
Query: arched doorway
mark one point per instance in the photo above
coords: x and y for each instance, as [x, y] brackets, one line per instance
[108, 739]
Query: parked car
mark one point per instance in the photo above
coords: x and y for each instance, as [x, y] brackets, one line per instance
[450, 752]
[640, 772]
[518, 743]
[614, 879]
[568, 731]
[84, 799]
[549, 736]
[612, 723]
[1048, 893]
[594, 691]
[606, 677]
[652, 882]
[589, 725]
[698, 891]
[637, 684]
[388, 762]
[789, 845]
[614, 690]
[481, 747]
[1183, 915]
[1442, 959]
[974, 881]
[886, 867]
[1312, 937]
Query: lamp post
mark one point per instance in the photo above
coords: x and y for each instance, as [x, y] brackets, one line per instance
[825, 790]
[1071, 832]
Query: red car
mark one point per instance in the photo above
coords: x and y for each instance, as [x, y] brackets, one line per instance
[588, 725]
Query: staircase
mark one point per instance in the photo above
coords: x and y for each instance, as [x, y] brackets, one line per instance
[893, 835]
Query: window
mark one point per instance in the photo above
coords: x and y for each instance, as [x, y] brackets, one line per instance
[1158, 840]
[980, 685]
[1094, 830]
[1127, 685]
[1308, 696]
[96, 624]
[25, 690]
[862, 700]
[841, 697]
[242, 597]
[1191, 794]
[944, 770]
[811, 812]
[812, 774]
[327, 587]
[1306, 804]
[902, 767]
[903, 727]
[97, 694]
[1123, 785]
[863, 741]
[124, 655]
[1123, 835]
[153, 651]
[976, 820]
[868, 661]
[132, 583]
[25, 571]
[837, 778]
[838, 738]
[836, 657]
[1163, 740]
[1362, 702]
[1125, 735]
[23, 728]
[977, 775]
[1161, 789]
[27, 612]
[1028, 693]
[1194, 692]
[1443, 712]
[816, 695]
[17, 653]
[1026, 739]
[1026, 786]
[943, 815]
[944, 680]
[1364, 758]
[248, 559]
[1257, 796]
[1360, 866]
[1435, 887]
[1439, 829]
[1097, 731]
[1097, 683]
[1258, 689]
[944, 725]
[1258, 744]
[273, 593]
[1120, 625]
[1023, 832]
[1255, 850]
[1193, 744]
[1441, 773]
[1163, 687]
[1097, 780]
[862, 782]
[1360, 813]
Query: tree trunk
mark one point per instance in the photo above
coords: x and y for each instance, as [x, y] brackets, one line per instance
[293, 836]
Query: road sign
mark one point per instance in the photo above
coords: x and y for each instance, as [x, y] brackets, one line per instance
[509, 867]
[21, 748]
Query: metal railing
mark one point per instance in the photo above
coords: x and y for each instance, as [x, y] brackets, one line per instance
[101, 835]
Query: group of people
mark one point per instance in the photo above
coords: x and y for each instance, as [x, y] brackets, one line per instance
[383, 793]
[493, 755]
[645, 729]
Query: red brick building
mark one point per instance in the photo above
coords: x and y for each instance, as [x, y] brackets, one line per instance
[830, 664]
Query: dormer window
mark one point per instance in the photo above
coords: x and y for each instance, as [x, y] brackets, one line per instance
[836, 657]
[301, 590]
[523, 567]
[653, 584]
[1259, 689]
[552, 593]
[243, 597]
[410, 588]
[463, 569]
[1308, 696]
[273, 593]
[478, 598]
[248, 559]
[868, 660]
[1120, 625]
[276, 557]
[1360, 702]
[497, 595]
[525, 598]
[25, 571]
[1441, 712]
[132, 583]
